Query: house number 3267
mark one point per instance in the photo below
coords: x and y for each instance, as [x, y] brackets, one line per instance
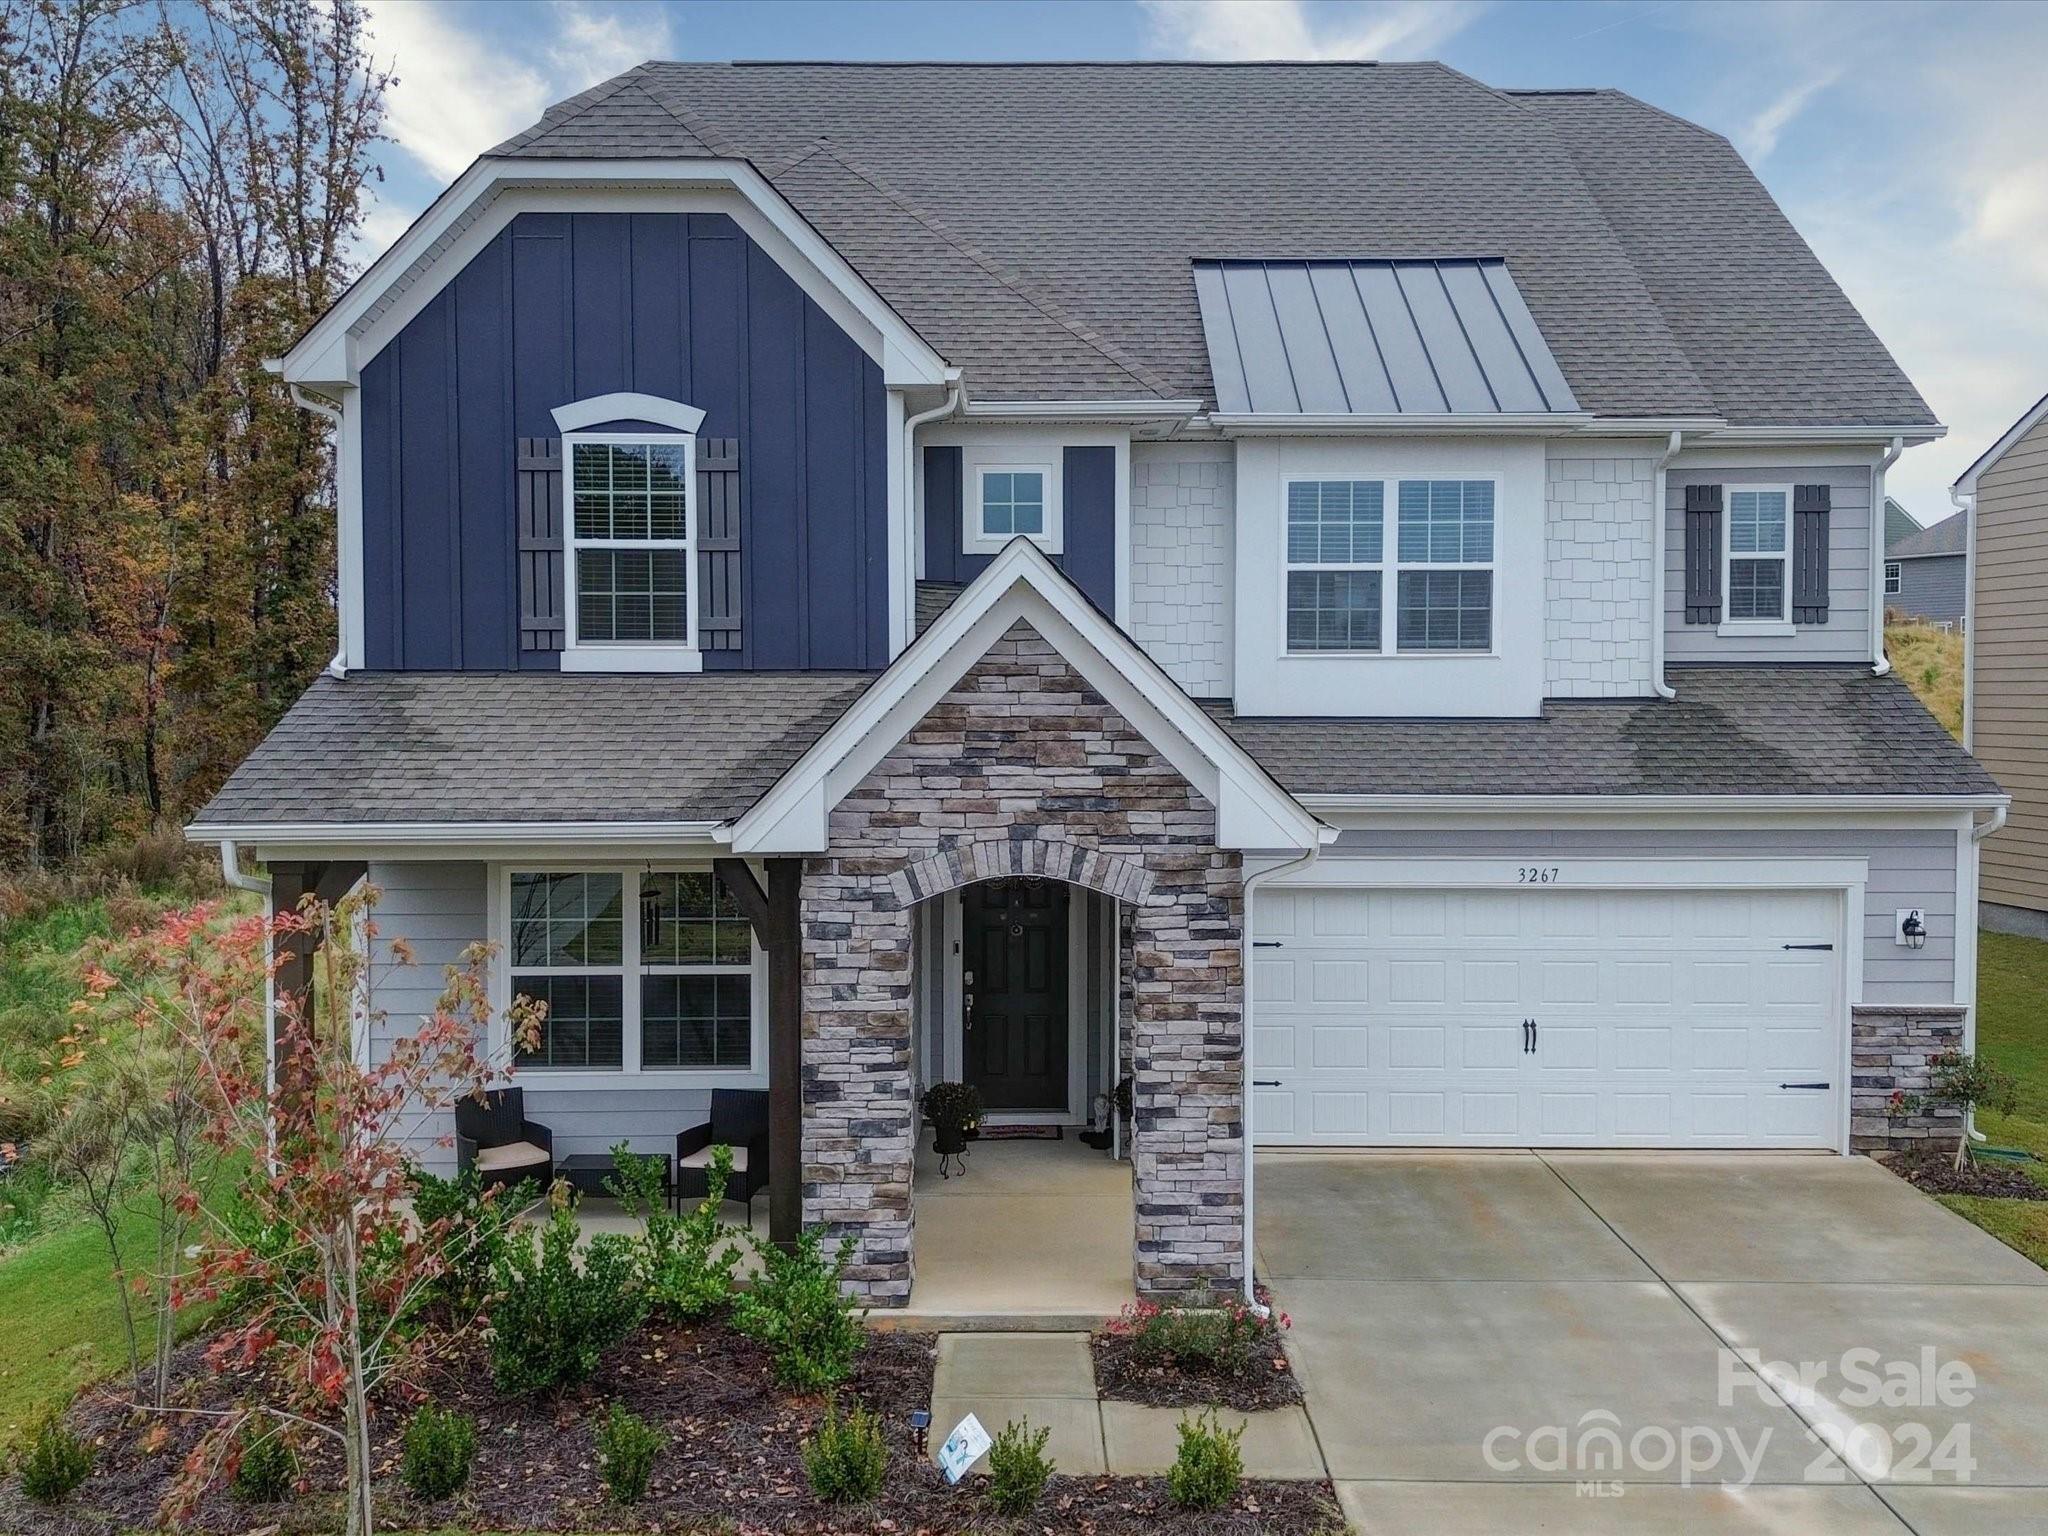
[1536, 874]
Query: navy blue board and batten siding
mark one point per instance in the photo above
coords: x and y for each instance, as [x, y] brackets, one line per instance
[1088, 521]
[564, 307]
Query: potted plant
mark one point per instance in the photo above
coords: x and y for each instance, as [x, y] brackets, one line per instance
[954, 1110]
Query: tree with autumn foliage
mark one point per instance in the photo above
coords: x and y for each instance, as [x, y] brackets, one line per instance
[316, 1251]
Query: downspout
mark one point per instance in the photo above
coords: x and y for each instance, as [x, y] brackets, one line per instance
[1966, 503]
[338, 667]
[1662, 515]
[1251, 885]
[231, 871]
[913, 545]
[1979, 830]
[1880, 663]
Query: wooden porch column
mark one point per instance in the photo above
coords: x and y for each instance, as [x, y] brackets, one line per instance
[775, 916]
[329, 881]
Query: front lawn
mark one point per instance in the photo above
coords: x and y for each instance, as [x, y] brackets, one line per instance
[2012, 1033]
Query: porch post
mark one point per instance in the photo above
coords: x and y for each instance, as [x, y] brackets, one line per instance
[327, 881]
[773, 915]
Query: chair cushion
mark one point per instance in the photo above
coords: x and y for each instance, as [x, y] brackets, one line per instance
[701, 1158]
[517, 1154]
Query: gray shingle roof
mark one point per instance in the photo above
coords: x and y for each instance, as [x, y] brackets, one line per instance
[1037, 224]
[1785, 730]
[384, 747]
[1950, 536]
[531, 747]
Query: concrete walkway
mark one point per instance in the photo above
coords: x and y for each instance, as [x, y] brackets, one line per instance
[1049, 1379]
[1445, 1304]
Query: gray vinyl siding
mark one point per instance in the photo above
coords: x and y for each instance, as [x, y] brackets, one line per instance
[1909, 867]
[439, 909]
[1931, 587]
[1845, 636]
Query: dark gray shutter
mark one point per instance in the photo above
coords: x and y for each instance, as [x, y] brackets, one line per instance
[1703, 554]
[1810, 505]
[718, 543]
[543, 605]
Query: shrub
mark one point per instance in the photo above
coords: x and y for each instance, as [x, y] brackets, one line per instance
[952, 1106]
[1212, 1334]
[1018, 1468]
[1965, 1083]
[626, 1448]
[798, 1310]
[476, 1225]
[555, 1316]
[846, 1458]
[687, 1262]
[1209, 1466]
[56, 1461]
[268, 1466]
[440, 1446]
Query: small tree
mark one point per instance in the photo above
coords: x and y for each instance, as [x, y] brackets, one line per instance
[1964, 1082]
[318, 1243]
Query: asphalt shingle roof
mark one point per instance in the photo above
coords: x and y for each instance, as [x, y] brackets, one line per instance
[1037, 224]
[1950, 536]
[1754, 730]
[389, 747]
[403, 747]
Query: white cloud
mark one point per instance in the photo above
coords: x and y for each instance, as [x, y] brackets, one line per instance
[1282, 29]
[1759, 136]
[593, 44]
[457, 93]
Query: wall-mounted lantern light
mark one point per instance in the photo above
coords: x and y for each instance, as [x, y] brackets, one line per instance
[1912, 929]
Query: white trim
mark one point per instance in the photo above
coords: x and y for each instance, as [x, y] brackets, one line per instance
[1876, 437]
[975, 537]
[505, 187]
[630, 1074]
[952, 1035]
[1966, 503]
[1252, 811]
[1965, 484]
[627, 406]
[1122, 613]
[1778, 624]
[1966, 933]
[1643, 805]
[578, 655]
[1082, 410]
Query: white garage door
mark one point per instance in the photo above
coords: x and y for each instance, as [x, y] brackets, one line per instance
[1546, 1018]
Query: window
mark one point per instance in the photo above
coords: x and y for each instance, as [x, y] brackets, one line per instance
[1442, 565]
[630, 543]
[672, 989]
[1758, 544]
[1011, 487]
[1894, 578]
[1012, 502]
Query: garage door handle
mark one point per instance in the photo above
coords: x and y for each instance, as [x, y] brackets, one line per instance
[1265, 1082]
[1806, 946]
[1814, 1086]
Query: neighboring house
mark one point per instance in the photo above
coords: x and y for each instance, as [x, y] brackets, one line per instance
[1336, 593]
[2005, 708]
[1926, 569]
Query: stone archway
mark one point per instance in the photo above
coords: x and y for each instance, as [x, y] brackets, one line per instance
[1023, 768]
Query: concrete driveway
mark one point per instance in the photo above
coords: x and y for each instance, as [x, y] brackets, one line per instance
[1483, 1338]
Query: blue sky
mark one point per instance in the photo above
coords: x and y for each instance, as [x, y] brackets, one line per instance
[1909, 142]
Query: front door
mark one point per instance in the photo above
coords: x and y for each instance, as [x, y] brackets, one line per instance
[1014, 983]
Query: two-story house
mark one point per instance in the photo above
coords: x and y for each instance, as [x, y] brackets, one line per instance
[1344, 598]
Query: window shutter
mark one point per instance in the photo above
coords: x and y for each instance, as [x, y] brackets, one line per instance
[718, 543]
[1703, 554]
[543, 606]
[1810, 505]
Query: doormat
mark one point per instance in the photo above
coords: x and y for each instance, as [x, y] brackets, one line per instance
[1022, 1132]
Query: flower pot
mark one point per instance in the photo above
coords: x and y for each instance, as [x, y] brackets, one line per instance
[948, 1140]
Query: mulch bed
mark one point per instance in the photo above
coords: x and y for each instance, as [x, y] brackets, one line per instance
[1933, 1170]
[732, 1463]
[1122, 1374]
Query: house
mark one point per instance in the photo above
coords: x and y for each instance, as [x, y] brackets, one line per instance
[2004, 497]
[1925, 569]
[1334, 594]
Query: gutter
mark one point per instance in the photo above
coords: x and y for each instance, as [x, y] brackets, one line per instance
[1980, 830]
[956, 399]
[307, 401]
[1966, 503]
[1880, 663]
[231, 871]
[1660, 514]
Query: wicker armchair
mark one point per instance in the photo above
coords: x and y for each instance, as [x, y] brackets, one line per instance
[739, 1119]
[495, 1138]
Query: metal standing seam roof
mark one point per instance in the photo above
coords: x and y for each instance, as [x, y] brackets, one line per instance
[1369, 337]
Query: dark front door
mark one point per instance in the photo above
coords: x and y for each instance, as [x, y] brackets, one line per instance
[1015, 983]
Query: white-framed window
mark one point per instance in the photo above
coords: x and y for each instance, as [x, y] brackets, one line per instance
[1348, 592]
[1012, 489]
[630, 550]
[644, 972]
[1758, 573]
[1894, 577]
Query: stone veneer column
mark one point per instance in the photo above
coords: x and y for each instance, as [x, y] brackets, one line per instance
[1890, 1048]
[1023, 769]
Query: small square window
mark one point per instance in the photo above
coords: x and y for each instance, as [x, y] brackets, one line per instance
[1012, 503]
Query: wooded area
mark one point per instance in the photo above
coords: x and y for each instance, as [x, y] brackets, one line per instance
[184, 184]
